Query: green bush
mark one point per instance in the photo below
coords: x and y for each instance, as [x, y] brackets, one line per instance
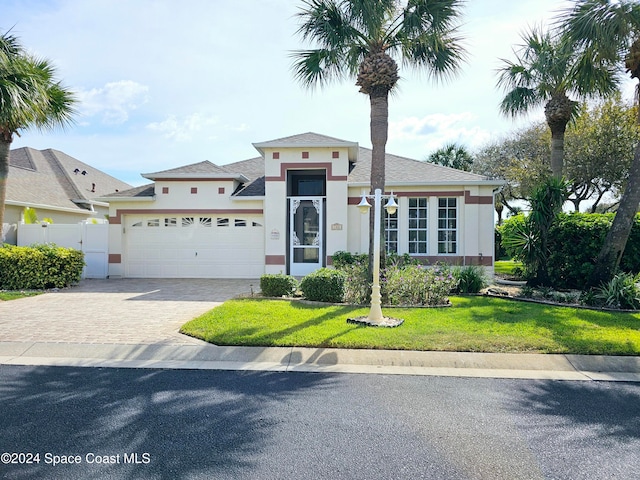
[357, 288]
[574, 242]
[324, 285]
[39, 266]
[278, 285]
[418, 285]
[471, 279]
[341, 259]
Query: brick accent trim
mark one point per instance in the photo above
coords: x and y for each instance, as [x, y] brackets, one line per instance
[468, 198]
[274, 260]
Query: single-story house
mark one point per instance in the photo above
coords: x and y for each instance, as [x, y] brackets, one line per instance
[57, 186]
[290, 209]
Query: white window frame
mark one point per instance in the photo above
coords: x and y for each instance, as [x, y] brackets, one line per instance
[417, 228]
[446, 228]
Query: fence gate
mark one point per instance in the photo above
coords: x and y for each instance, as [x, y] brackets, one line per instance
[92, 239]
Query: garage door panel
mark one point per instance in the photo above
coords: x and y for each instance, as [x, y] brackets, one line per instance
[190, 248]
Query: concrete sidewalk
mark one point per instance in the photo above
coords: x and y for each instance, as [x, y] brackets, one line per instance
[292, 359]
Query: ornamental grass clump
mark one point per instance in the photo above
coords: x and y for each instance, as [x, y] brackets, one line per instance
[418, 285]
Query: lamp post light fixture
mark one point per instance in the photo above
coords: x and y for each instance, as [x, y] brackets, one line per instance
[375, 314]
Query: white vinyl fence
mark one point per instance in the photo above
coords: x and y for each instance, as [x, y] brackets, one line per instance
[92, 239]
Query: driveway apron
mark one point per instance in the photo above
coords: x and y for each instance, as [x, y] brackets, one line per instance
[117, 311]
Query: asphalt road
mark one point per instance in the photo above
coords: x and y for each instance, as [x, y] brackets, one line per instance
[170, 424]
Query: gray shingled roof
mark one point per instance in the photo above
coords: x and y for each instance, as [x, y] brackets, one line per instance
[53, 178]
[200, 167]
[402, 170]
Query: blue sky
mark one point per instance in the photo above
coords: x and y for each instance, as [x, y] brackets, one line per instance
[164, 83]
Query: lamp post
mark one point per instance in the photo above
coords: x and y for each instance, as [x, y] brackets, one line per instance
[375, 313]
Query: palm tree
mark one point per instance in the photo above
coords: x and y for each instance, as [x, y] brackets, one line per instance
[359, 39]
[29, 97]
[546, 72]
[609, 30]
[452, 155]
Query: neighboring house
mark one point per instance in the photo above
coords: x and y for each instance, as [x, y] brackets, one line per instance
[57, 186]
[290, 209]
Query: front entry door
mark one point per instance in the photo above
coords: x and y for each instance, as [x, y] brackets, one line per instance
[305, 233]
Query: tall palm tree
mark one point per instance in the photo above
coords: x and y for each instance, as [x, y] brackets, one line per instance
[610, 30]
[546, 72]
[29, 97]
[359, 39]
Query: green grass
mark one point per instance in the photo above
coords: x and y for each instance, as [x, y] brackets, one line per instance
[505, 267]
[472, 324]
[13, 295]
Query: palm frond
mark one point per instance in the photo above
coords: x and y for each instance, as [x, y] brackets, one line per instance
[606, 26]
[519, 101]
[317, 67]
[440, 55]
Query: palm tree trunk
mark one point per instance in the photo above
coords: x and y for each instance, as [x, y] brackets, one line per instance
[611, 253]
[4, 175]
[557, 150]
[379, 100]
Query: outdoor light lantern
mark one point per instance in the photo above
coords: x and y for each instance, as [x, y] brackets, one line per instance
[364, 205]
[391, 206]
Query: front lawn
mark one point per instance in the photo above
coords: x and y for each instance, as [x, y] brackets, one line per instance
[505, 267]
[13, 295]
[472, 324]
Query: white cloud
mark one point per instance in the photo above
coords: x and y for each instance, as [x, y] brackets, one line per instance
[114, 101]
[433, 131]
[186, 128]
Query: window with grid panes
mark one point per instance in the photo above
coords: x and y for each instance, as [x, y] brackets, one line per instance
[391, 232]
[417, 225]
[447, 225]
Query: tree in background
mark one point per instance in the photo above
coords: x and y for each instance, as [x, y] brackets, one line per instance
[546, 71]
[520, 159]
[610, 30]
[360, 38]
[452, 155]
[599, 146]
[599, 151]
[30, 97]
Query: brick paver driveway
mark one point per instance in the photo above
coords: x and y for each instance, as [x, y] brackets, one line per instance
[128, 311]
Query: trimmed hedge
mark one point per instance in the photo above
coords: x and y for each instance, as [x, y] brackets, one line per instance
[324, 285]
[278, 285]
[39, 266]
[575, 240]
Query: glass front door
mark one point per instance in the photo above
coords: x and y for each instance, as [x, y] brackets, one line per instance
[305, 228]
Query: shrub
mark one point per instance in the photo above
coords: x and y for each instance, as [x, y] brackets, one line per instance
[418, 285]
[39, 266]
[342, 259]
[324, 285]
[357, 288]
[471, 279]
[574, 242]
[621, 291]
[278, 285]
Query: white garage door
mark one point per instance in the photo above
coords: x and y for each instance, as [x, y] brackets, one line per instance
[193, 246]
